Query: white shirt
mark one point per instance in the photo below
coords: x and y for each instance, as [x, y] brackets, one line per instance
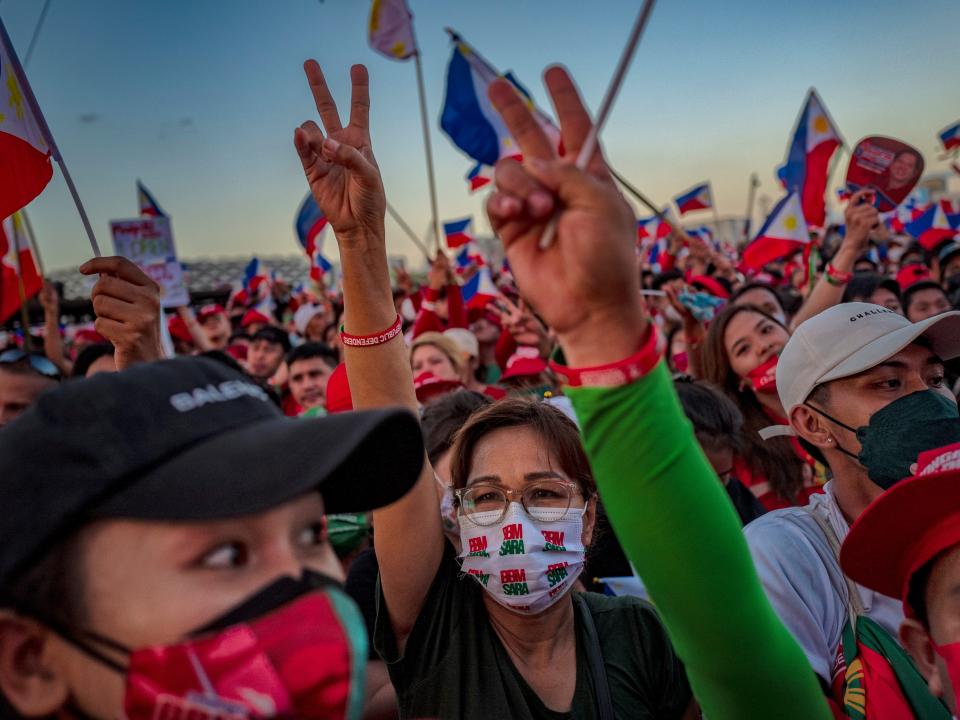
[803, 581]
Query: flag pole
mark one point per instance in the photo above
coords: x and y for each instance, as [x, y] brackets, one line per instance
[628, 186]
[406, 228]
[428, 149]
[31, 99]
[590, 143]
[33, 242]
[21, 291]
[751, 198]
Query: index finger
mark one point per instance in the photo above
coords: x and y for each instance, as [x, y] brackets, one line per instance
[322, 97]
[360, 97]
[523, 126]
[119, 267]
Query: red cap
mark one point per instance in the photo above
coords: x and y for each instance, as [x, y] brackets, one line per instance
[428, 386]
[208, 311]
[237, 351]
[907, 526]
[88, 336]
[525, 361]
[254, 316]
[338, 391]
[913, 273]
[178, 329]
[476, 313]
[711, 286]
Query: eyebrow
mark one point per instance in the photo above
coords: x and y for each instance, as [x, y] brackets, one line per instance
[733, 348]
[528, 477]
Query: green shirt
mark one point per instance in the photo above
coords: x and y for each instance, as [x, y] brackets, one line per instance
[679, 530]
[455, 667]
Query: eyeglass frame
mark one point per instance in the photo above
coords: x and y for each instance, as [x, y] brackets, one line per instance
[509, 493]
[15, 355]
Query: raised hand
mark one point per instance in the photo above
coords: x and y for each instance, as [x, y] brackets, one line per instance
[585, 285]
[127, 304]
[860, 218]
[340, 167]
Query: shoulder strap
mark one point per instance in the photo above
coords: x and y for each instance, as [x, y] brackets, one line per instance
[855, 606]
[595, 658]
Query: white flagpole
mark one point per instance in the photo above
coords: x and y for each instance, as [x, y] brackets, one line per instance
[31, 99]
[590, 144]
[428, 149]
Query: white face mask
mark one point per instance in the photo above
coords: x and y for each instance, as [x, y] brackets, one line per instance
[526, 565]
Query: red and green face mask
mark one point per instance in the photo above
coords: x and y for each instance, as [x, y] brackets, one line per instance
[297, 649]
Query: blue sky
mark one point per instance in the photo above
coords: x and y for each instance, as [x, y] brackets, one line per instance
[199, 98]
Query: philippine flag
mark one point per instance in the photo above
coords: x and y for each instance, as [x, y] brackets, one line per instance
[479, 176]
[950, 137]
[468, 117]
[149, 207]
[309, 223]
[815, 139]
[784, 232]
[653, 227]
[457, 232]
[932, 227]
[14, 242]
[391, 29]
[696, 198]
[470, 254]
[480, 289]
[25, 142]
[319, 267]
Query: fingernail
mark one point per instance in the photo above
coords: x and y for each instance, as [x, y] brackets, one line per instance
[331, 146]
[540, 203]
[509, 204]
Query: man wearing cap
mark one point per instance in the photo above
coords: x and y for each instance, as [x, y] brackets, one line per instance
[310, 320]
[915, 528]
[215, 324]
[948, 261]
[268, 346]
[169, 554]
[863, 387]
[23, 376]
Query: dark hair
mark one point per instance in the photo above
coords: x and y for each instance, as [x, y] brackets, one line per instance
[224, 358]
[310, 350]
[661, 279]
[88, 356]
[558, 432]
[864, 284]
[273, 334]
[443, 417]
[743, 289]
[908, 294]
[917, 591]
[53, 589]
[916, 248]
[717, 422]
[238, 335]
[775, 459]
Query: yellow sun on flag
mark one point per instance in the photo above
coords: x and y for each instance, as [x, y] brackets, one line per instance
[16, 97]
[820, 124]
[790, 222]
[399, 49]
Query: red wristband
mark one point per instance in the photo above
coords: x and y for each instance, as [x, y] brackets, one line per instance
[839, 277]
[622, 372]
[370, 340]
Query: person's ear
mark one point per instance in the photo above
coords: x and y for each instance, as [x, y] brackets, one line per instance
[811, 427]
[27, 681]
[589, 521]
[915, 638]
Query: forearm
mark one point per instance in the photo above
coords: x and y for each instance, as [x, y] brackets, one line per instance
[53, 343]
[456, 312]
[678, 528]
[825, 294]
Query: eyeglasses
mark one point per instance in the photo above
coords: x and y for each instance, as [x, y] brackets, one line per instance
[37, 362]
[544, 500]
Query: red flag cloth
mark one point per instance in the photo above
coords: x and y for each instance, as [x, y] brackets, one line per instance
[13, 240]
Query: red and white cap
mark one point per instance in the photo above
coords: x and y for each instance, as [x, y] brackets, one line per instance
[428, 386]
[846, 340]
[907, 526]
[526, 361]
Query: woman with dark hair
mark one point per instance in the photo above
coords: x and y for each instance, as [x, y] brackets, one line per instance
[740, 357]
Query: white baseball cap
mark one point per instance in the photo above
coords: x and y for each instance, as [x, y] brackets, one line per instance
[465, 341]
[850, 338]
[303, 316]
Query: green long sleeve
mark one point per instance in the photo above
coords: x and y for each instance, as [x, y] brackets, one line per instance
[679, 529]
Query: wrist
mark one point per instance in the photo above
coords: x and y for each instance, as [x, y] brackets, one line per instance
[645, 356]
[604, 340]
[845, 258]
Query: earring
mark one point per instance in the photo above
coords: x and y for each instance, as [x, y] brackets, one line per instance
[830, 440]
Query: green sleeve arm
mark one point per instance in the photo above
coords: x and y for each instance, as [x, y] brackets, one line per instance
[679, 529]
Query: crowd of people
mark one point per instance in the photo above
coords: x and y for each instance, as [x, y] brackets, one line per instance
[611, 491]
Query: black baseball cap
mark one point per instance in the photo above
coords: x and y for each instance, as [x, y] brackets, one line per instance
[187, 439]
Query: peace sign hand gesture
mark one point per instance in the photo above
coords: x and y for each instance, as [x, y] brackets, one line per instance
[340, 167]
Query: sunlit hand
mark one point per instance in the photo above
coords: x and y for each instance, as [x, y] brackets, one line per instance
[340, 167]
[127, 304]
[585, 285]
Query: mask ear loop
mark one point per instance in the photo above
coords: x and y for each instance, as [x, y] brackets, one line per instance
[79, 639]
[841, 424]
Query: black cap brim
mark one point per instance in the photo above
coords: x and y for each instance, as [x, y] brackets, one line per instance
[358, 461]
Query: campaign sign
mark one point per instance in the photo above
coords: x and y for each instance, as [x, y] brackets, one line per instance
[148, 241]
[889, 167]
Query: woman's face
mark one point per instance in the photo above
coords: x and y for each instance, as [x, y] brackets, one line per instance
[750, 339]
[429, 358]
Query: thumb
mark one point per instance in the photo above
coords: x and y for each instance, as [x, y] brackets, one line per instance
[565, 179]
[349, 157]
